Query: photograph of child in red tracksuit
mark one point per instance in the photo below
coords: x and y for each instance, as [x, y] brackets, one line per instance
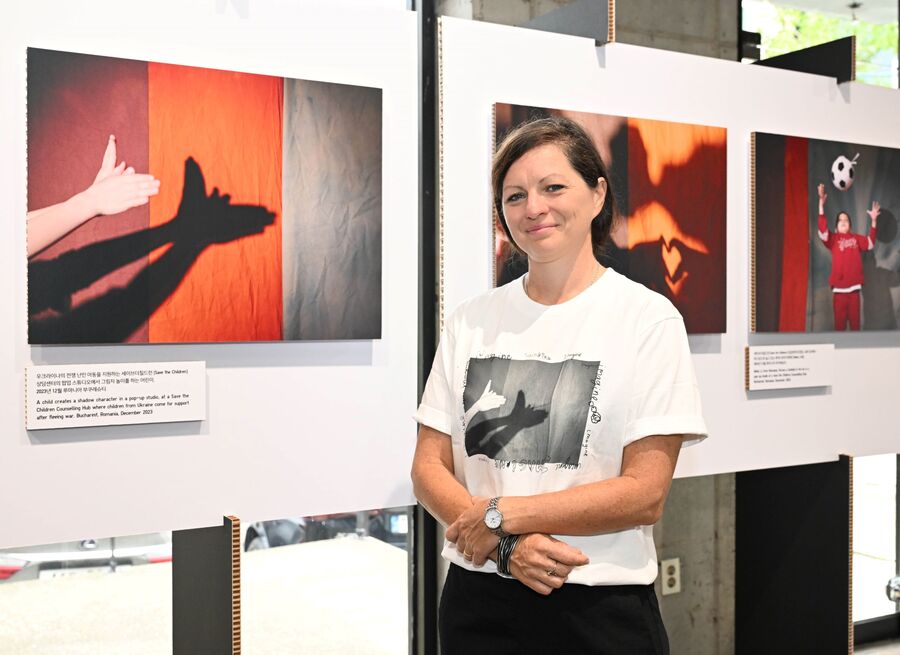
[825, 236]
[846, 248]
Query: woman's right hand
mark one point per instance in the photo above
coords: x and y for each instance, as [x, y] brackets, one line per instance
[822, 194]
[543, 563]
[117, 188]
[117, 193]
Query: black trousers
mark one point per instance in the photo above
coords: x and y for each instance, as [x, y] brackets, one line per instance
[484, 613]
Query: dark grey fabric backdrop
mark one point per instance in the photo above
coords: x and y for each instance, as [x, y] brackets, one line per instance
[331, 248]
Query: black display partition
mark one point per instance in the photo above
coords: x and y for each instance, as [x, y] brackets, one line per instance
[792, 559]
[424, 560]
[206, 590]
[833, 59]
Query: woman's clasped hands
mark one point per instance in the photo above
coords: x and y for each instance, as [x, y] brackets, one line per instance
[539, 561]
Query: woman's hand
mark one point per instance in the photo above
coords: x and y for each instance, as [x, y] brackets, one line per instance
[543, 563]
[875, 212]
[471, 536]
[822, 196]
[117, 188]
[489, 399]
[120, 191]
[108, 166]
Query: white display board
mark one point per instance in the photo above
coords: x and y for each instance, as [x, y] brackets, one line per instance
[482, 64]
[294, 428]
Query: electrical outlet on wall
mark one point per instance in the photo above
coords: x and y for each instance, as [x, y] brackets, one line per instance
[670, 576]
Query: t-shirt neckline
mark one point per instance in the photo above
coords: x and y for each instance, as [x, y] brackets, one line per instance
[529, 306]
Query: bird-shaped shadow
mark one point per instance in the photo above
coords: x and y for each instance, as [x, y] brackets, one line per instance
[201, 221]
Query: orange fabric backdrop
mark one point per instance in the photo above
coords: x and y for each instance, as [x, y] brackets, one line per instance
[676, 198]
[667, 169]
[231, 124]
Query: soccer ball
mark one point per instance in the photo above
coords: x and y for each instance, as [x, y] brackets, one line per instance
[842, 172]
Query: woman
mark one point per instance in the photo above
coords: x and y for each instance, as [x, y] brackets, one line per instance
[551, 423]
[846, 249]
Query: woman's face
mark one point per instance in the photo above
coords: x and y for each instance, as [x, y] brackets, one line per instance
[548, 206]
[843, 223]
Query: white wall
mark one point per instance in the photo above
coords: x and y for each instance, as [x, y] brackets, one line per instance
[483, 63]
[294, 428]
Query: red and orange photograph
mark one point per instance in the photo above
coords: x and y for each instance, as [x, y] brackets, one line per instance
[176, 204]
[669, 183]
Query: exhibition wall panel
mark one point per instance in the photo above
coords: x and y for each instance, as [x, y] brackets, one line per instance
[482, 65]
[292, 429]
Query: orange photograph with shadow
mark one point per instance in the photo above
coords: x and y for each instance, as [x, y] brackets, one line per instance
[669, 181]
[177, 204]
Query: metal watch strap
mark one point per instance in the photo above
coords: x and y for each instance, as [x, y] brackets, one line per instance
[493, 505]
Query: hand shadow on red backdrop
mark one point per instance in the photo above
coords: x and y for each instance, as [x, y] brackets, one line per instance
[688, 270]
[201, 221]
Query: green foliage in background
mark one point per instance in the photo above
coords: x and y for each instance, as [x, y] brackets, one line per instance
[876, 45]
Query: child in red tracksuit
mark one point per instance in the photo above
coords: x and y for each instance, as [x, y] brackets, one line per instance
[846, 248]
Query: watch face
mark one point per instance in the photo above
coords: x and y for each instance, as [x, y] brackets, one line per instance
[493, 518]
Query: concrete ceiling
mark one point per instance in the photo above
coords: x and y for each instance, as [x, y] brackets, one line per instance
[872, 11]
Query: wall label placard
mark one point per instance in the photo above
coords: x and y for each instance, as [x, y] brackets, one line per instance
[789, 367]
[83, 395]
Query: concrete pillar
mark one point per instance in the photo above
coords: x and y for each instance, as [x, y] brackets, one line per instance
[701, 27]
[698, 528]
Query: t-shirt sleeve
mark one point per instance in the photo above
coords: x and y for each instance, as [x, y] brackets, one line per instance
[665, 398]
[435, 410]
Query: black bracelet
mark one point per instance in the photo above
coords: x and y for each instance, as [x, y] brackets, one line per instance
[504, 553]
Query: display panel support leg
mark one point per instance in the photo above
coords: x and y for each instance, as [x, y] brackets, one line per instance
[206, 590]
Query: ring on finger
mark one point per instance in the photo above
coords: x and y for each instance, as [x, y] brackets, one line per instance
[552, 572]
[468, 555]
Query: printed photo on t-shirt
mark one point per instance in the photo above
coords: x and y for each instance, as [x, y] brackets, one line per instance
[527, 410]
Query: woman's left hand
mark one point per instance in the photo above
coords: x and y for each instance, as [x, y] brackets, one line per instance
[874, 212]
[471, 536]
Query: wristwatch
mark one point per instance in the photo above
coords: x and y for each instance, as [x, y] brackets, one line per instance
[493, 518]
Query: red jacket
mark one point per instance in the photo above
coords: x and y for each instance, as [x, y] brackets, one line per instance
[846, 254]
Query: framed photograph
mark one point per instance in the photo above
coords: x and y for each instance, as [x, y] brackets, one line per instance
[177, 204]
[669, 183]
[826, 252]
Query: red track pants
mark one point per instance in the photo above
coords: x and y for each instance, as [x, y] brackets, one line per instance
[846, 309]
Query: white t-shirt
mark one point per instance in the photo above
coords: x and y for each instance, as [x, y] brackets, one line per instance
[540, 398]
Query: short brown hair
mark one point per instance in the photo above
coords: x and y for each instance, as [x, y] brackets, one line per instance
[579, 150]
